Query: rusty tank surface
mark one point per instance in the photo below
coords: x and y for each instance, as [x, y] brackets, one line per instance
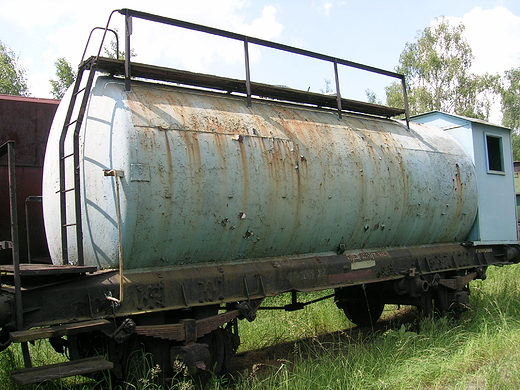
[203, 178]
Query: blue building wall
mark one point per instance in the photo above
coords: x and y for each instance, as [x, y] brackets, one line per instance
[489, 147]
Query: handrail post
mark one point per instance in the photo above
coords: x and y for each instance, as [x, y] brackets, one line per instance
[338, 94]
[248, 73]
[128, 32]
[13, 211]
[14, 232]
[405, 98]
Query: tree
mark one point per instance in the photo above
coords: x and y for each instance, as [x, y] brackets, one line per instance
[115, 53]
[12, 75]
[66, 77]
[328, 89]
[515, 140]
[436, 69]
[372, 97]
[510, 93]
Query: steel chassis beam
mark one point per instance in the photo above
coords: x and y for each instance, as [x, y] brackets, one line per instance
[90, 296]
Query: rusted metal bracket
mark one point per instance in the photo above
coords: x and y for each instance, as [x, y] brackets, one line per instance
[114, 172]
[459, 282]
[247, 311]
[124, 331]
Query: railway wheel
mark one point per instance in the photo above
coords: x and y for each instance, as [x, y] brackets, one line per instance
[427, 304]
[209, 356]
[220, 349]
[131, 357]
[441, 304]
[221, 344]
[363, 305]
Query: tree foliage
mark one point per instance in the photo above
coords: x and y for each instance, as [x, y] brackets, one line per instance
[114, 51]
[515, 141]
[436, 68]
[510, 93]
[328, 88]
[372, 97]
[65, 75]
[12, 75]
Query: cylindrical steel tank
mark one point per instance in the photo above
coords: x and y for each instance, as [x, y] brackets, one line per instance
[207, 179]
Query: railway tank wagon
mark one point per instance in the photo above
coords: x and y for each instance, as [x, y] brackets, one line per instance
[176, 203]
[205, 179]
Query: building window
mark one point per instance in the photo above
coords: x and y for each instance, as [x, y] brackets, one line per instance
[494, 154]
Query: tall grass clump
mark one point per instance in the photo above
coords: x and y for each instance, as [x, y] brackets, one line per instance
[480, 351]
[278, 326]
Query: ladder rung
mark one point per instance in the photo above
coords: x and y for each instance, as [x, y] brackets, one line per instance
[79, 91]
[57, 330]
[27, 376]
[68, 190]
[71, 123]
[67, 156]
[69, 224]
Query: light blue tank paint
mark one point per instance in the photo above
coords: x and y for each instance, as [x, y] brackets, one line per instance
[207, 179]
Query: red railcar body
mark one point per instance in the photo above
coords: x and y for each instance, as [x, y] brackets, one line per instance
[26, 121]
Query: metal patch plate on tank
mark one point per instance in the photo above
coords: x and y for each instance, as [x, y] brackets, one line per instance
[140, 172]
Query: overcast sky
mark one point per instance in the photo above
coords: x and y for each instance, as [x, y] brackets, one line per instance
[373, 32]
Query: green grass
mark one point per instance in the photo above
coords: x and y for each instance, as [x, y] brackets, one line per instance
[481, 351]
[316, 349]
[277, 326]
